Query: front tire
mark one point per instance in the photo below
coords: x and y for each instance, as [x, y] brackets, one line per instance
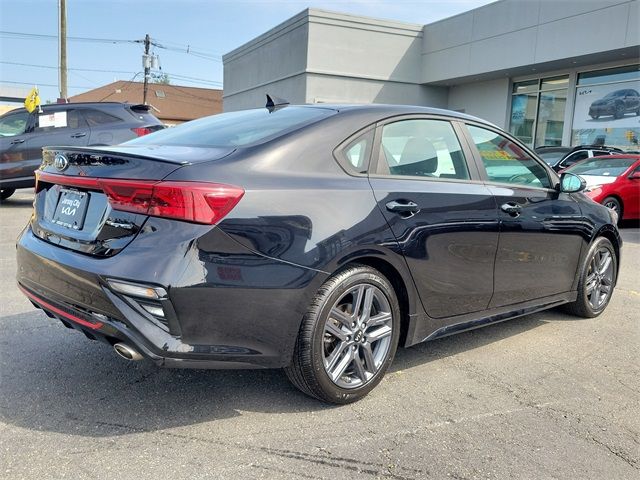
[348, 337]
[597, 280]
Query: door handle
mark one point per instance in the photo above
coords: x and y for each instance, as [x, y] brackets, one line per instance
[17, 140]
[511, 208]
[403, 206]
[79, 135]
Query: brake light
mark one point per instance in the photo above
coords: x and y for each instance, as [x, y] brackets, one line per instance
[198, 202]
[140, 131]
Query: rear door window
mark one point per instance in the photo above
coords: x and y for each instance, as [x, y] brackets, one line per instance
[421, 148]
[57, 121]
[96, 117]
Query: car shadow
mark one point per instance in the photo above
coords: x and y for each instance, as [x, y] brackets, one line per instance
[54, 379]
[17, 201]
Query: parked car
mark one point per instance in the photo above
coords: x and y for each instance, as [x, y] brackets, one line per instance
[617, 104]
[552, 154]
[613, 181]
[23, 134]
[560, 158]
[312, 238]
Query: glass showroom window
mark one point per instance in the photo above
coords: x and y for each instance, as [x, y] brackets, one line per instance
[607, 108]
[537, 110]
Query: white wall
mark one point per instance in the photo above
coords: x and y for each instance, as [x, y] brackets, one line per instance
[487, 100]
[512, 34]
[331, 89]
[271, 63]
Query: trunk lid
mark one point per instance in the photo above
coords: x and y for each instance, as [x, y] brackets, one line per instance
[72, 208]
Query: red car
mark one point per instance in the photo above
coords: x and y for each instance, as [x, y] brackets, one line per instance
[613, 181]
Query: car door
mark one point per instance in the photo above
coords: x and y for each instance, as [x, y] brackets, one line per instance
[441, 214]
[13, 137]
[56, 128]
[540, 228]
[630, 193]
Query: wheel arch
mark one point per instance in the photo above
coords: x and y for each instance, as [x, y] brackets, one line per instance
[402, 285]
[611, 234]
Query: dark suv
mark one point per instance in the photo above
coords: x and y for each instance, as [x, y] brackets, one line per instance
[617, 104]
[560, 158]
[23, 134]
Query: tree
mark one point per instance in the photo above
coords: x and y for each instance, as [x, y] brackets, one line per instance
[162, 79]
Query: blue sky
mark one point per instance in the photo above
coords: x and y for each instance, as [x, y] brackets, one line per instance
[212, 27]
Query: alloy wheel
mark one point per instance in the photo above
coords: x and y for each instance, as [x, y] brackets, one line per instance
[357, 336]
[599, 282]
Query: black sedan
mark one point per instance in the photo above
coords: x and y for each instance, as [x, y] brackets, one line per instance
[312, 238]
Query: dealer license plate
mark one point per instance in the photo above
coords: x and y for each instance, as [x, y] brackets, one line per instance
[71, 209]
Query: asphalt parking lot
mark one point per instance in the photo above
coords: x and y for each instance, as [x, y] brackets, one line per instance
[543, 396]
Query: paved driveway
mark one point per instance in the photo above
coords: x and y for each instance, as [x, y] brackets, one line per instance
[543, 396]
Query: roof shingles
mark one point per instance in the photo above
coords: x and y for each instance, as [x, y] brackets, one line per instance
[171, 103]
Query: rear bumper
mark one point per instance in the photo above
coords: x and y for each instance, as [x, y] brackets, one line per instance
[221, 325]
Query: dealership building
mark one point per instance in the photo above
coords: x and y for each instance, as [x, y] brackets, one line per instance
[553, 73]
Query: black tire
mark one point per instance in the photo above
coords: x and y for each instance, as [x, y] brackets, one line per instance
[583, 306]
[614, 204]
[308, 370]
[6, 193]
[595, 117]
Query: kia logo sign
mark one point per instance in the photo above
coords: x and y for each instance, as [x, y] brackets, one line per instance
[60, 162]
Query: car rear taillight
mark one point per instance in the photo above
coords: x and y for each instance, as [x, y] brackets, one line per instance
[140, 131]
[197, 202]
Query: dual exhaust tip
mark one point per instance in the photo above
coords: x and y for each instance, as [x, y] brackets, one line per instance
[128, 353]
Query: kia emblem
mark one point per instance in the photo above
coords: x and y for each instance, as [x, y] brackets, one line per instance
[60, 162]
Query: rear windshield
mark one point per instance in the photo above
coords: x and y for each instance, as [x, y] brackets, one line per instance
[236, 129]
[613, 167]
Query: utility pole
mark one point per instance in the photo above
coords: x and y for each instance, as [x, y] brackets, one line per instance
[62, 49]
[146, 62]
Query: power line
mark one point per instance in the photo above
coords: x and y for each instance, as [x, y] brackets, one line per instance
[39, 84]
[76, 69]
[180, 48]
[128, 72]
[41, 36]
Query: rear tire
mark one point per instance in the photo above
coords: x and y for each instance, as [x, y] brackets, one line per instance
[597, 280]
[6, 193]
[348, 337]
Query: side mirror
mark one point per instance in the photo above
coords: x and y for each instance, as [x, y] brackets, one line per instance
[570, 183]
[634, 176]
